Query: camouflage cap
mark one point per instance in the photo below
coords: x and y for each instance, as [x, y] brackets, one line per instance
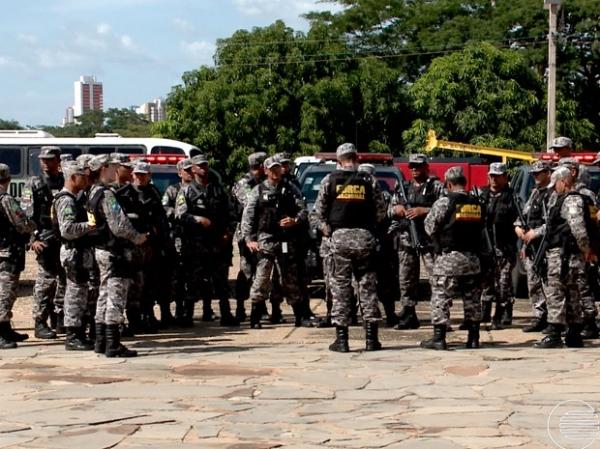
[65, 157]
[4, 172]
[569, 162]
[122, 159]
[199, 159]
[257, 158]
[141, 168]
[99, 161]
[282, 157]
[345, 149]
[70, 168]
[417, 159]
[561, 142]
[454, 174]
[368, 168]
[558, 174]
[49, 152]
[184, 164]
[497, 168]
[539, 166]
[271, 162]
[84, 159]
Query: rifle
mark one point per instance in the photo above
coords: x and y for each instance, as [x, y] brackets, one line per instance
[489, 246]
[526, 248]
[415, 242]
[539, 260]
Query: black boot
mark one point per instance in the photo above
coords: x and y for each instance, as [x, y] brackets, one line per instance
[91, 322]
[553, 339]
[573, 339]
[255, 316]
[207, 311]
[372, 337]
[276, 315]
[409, 320]
[497, 319]
[15, 336]
[5, 341]
[391, 319]
[60, 323]
[486, 312]
[341, 340]
[507, 315]
[114, 348]
[227, 319]
[74, 340]
[465, 325]
[100, 343]
[537, 325]
[590, 329]
[240, 311]
[166, 317]
[43, 331]
[439, 338]
[188, 317]
[473, 337]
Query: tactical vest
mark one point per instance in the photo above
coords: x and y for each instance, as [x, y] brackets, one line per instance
[500, 215]
[273, 206]
[463, 225]
[558, 229]
[101, 237]
[43, 197]
[80, 217]
[535, 215]
[421, 196]
[128, 198]
[8, 233]
[352, 204]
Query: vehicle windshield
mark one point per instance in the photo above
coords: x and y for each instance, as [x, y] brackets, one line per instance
[164, 180]
[388, 181]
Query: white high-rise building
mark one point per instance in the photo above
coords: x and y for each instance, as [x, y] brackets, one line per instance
[154, 111]
[69, 118]
[89, 95]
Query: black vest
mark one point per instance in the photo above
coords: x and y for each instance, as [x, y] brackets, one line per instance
[80, 217]
[423, 196]
[102, 237]
[9, 237]
[43, 196]
[273, 206]
[128, 198]
[500, 215]
[352, 204]
[535, 215]
[558, 229]
[463, 225]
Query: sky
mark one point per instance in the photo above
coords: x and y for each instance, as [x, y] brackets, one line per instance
[138, 49]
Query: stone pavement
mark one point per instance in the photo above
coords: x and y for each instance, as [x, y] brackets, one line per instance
[280, 387]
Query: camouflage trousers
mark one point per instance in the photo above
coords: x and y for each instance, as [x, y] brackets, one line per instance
[353, 252]
[9, 282]
[77, 265]
[563, 296]
[286, 267]
[409, 273]
[588, 302]
[444, 289]
[497, 280]
[537, 297]
[246, 272]
[49, 288]
[114, 287]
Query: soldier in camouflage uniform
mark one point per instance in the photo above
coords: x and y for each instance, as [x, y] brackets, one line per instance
[348, 209]
[455, 225]
[572, 239]
[273, 215]
[36, 200]
[240, 192]
[530, 233]
[203, 209]
[15, 228]
[76, 253]
[500, 215]
[588, 277]
[422, 191]
[184, 169]
[113, 230]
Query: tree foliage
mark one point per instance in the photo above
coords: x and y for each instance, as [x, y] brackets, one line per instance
[124, 121]
[9, 124]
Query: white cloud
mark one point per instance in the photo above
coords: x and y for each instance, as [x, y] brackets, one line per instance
[103, 28]
[289, 9]
[27, 38]
[183, 25]
[200, 51]
[4, 61]
[127, 42]
[53, 58]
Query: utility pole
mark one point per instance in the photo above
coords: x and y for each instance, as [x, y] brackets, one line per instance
[552, 6]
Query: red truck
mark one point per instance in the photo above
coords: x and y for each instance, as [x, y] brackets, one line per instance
[475, 169]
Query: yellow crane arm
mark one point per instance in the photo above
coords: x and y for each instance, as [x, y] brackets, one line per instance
[433, 142]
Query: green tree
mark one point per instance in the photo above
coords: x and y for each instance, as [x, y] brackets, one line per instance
[10, 124]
